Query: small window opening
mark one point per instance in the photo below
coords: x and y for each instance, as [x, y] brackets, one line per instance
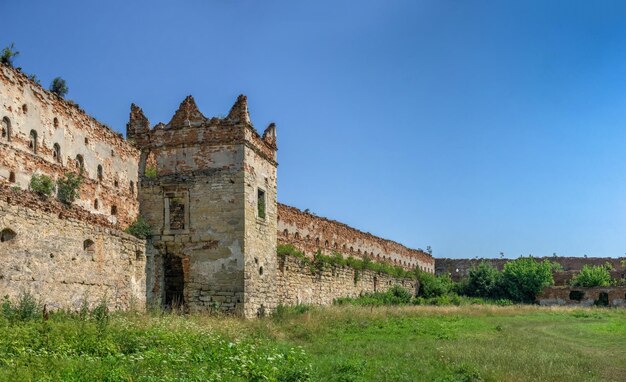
[603, 299]
[55, 122]
[7, 234]
[86, 140]
[100, 174]
[56, 153]
[261, 203]
[317, 241]
[261, 271]
[6, 128]
[80, 162]
[138, 255]
[12, 177]
[25, 108]
[326, 244]
[32, 142]
[177, 213]
[116, 183]
[96, 204]
[286, 233]
[576, 295]
[132, 187]
[112, 153]
[296, 236]
[114, 210]
[89, 246]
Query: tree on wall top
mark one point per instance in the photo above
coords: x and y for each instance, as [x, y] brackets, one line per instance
[8, 55]
[59, 87]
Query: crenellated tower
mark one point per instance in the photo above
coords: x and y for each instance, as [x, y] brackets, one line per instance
[208, 190]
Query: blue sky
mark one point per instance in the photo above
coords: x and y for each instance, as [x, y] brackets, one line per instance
[475, 127]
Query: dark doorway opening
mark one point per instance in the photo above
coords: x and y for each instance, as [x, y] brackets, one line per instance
[174, 282]
[603, 299]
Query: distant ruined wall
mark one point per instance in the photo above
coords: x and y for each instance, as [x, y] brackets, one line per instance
[614, 296]
[459, 268]
[40, 133]
[297, 284]
[310, 233]
[64, 256]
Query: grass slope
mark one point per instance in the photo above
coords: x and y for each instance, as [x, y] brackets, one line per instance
[346, 343]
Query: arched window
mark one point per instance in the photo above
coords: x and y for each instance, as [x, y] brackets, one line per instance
[56, 153]
[317, 241]
[6, 128]
[89, 246]
[96, 204]
[326, 243]
[25, 108]
[132, 187]
[286, 233]
[55, 122]
[116, 183]
[32, 142]
[7, 234]
[100, 175]
[351, 249]
[296, 236]
[335, 245]
[12, 177]
[80, 162]
[113, 210]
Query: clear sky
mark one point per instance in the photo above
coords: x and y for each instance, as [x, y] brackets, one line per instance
[475, 127]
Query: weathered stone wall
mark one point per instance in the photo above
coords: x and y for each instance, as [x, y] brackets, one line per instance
[565, 295]
[459, 268]
[298, 284]
[42, 133]
[310, 233]
[211, 248]
[260, 236]
[66, 256]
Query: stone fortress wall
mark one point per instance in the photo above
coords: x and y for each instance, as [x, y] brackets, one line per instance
[67, 256]
[459, 268]
[207, 186]
[298, 284]
[44, 134]
[310, 233]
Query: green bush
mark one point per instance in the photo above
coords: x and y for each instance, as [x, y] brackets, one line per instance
[524, 278]
[59, 87]
[433, 286]
[151, 172]
[8, 54]
[140, 229]
[395, 295]
[27, 308]
[67, 187]
[42, 185]
[484, 281]
[593, 276]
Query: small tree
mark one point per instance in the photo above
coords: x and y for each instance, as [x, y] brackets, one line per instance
[524, 278]
[8, 54]
[41, 184]
[59, 87]
[67, 187]
[593, 276]
[433, 286]
[484, 281]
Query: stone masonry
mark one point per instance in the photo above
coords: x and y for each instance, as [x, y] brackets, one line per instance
[206, 186]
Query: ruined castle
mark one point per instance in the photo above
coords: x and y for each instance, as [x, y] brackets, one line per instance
[207, 188]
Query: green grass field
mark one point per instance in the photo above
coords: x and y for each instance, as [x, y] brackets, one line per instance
[340, 343]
